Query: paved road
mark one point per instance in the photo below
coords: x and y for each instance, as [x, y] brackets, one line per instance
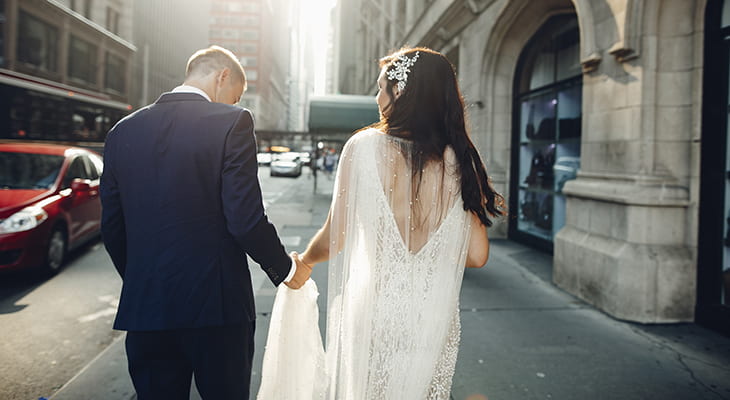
[52, 328]
[522, 337]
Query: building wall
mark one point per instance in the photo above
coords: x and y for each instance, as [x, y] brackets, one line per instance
[346, 30]
[258, 32]
[276, 24]
[301, 69]
[68, 25]
[166, 35]
[629, 243]
[99, 14]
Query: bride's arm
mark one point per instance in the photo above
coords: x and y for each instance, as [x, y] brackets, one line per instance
[318, 249]
[323, 242]
[478, 252]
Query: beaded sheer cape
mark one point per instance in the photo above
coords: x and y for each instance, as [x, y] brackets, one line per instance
[398, 250]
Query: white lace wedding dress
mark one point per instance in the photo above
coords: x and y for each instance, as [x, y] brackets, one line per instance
[398, 248]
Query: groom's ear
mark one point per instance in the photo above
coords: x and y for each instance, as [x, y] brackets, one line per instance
[223, 76]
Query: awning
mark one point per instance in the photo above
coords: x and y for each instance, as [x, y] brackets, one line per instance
[341, 114]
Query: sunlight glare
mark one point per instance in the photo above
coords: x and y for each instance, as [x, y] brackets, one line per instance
[316, 15]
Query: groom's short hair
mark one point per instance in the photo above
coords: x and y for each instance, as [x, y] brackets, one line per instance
[213, 59]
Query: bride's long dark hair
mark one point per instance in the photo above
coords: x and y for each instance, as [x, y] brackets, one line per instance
[430, 112]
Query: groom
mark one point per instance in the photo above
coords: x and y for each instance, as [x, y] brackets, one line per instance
[181, 209]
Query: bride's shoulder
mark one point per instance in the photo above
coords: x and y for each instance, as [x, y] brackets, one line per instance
[367, 134]
[364, 136]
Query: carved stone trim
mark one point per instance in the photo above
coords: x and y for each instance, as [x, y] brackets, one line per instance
[590, 63]
[638, 190]
[590, 54]
[629, 45]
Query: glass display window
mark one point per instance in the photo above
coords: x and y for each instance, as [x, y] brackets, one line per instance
[546, 139]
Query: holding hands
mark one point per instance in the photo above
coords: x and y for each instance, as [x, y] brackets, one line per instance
[302, 273]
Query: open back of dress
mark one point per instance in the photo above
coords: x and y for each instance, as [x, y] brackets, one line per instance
[398, 250]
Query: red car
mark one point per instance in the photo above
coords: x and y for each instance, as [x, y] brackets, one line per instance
[49, 203]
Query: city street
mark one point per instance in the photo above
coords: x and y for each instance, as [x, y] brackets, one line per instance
[52, 328]
[522, 337]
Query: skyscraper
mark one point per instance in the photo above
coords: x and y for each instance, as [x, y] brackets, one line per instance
[257, 31]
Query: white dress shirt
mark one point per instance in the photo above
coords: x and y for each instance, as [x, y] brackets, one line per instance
[193, 89]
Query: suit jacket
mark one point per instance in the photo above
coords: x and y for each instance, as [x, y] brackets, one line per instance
[181, 208]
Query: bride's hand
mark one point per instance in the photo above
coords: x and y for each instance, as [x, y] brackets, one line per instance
[302, 274]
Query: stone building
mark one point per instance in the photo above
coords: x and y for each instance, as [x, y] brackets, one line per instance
[64, 68]
[258, 32]
[166, 35]
[114, 15]
[69, 43]
[604, 123]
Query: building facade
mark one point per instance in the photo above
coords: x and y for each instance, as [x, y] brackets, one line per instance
[301, 69]
[113, 15]
[605, 126]
[258, 32]
[166, 35]
[64, 68]
[50, 40]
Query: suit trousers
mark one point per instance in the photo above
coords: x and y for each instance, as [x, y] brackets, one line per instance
[162, 363]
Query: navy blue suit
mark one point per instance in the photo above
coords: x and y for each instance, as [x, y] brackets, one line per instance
[181, 209]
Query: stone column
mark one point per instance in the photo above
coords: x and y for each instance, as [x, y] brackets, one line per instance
[101, 63]
[628, 243]
[11, 31]
[64, 40]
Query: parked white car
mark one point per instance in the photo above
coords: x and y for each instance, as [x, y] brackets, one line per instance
[286, 164]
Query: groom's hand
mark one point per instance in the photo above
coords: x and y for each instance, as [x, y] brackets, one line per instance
[302, 273]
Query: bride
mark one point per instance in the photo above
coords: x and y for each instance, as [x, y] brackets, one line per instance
[409, 211]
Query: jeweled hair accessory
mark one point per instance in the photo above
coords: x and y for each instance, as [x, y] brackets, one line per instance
[401, 70]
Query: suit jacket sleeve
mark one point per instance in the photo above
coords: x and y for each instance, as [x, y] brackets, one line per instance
[113, 229]
[242, 204]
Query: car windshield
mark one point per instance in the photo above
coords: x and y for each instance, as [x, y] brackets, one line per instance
[28, 171]
[286, 157]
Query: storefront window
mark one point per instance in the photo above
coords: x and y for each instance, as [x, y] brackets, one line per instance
[82, 60]
[546, 144]
[37, 43]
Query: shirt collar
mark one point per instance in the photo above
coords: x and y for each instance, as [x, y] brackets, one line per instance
[190, 89]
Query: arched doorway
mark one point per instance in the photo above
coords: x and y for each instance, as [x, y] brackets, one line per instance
[546, 130]
[713, 249]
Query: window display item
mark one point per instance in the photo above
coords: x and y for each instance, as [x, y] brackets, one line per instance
[569, 127]
[545, 213]
[528, 207]
[541, 167]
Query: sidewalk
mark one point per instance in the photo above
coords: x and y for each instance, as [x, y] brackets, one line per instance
[522, 337]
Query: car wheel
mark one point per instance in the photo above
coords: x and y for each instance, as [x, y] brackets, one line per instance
[56, 251]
